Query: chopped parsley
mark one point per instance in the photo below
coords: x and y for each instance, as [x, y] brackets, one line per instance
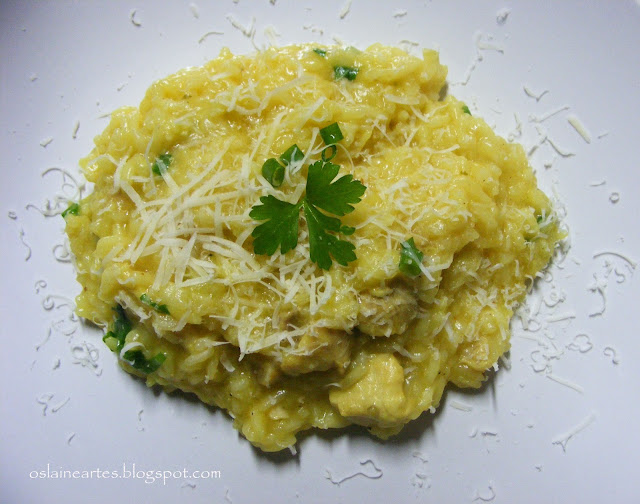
[161, 164]
[410, 258]
[116, 338]
[339, 71]
[280, 229]
[73, 209]
[273, 171]
[138, 361]
[291, 155]
[329, 152]
[162, 308]
[345, 72]
[466, 110]
[331, 134]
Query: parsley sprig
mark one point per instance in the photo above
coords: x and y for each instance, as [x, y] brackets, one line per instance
[323, 196]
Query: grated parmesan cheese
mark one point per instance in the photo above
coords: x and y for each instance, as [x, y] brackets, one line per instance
[579, 127]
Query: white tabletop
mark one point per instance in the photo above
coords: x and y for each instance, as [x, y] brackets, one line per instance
[557, 425]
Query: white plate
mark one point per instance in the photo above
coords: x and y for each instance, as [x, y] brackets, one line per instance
[559, 426]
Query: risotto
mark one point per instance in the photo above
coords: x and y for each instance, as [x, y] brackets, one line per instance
[309, 236]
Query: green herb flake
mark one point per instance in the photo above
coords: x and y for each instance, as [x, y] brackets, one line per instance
[331, 134]
[273, 172]
[161, 308]
[111, 341]
[329, 152]
[73, 209]
[161, 164]
[291, 155]
[410, 258]
[320, 52]
[466, 110]
[137, 360]
[115, 338]
[345, 72]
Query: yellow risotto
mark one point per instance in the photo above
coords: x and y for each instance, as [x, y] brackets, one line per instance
[308, 237]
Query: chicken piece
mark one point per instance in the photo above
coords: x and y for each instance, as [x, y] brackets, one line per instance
[266, 371]
[319, 350]
[385, 311]
[378, 397]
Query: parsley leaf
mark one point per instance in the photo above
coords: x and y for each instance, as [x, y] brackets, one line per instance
[466, 110]
[410, 258]
[324, 246]
[281, 228]
[334, 197]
